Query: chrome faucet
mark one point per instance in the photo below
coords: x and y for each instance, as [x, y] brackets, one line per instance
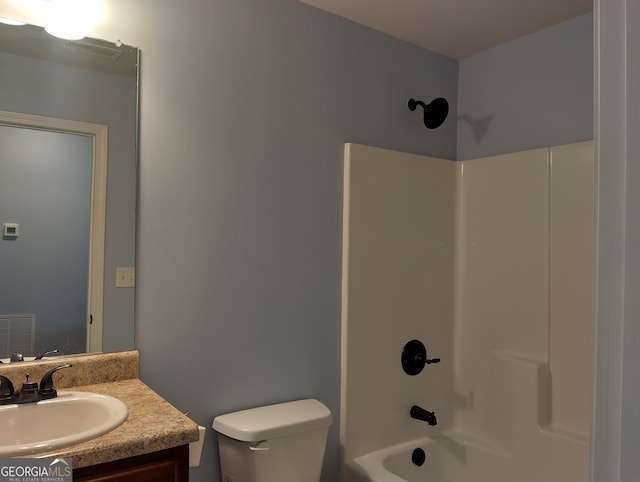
[30, 392]
[45, 353]
[18, 357]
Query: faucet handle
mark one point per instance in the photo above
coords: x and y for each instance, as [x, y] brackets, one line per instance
[6, 388]
[46, 383]
[414, 357]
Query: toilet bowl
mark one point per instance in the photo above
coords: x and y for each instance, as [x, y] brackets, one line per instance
[275, 443]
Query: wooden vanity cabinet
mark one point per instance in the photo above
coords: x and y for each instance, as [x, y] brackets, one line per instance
[170, 465]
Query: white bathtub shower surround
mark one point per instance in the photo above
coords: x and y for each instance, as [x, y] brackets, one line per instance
[397, 273]
[523, 281]
[454, 456]
[488, 262]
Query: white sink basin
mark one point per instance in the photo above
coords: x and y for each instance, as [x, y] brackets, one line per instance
[71, 418]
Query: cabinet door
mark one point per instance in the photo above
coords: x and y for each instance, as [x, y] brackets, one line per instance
[153, 472]
[169, 465]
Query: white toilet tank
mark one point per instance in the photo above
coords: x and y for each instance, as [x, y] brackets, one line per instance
[276, 443]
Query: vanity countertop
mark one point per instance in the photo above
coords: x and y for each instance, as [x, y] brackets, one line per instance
[152, 425]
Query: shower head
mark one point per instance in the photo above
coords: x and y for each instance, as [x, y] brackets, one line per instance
[434, 113]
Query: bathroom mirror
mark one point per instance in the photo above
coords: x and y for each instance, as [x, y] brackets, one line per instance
[73, 84]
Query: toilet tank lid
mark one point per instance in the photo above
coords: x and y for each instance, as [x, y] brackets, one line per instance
[273, 421]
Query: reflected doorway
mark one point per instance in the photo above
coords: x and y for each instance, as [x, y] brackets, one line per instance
[52, 197]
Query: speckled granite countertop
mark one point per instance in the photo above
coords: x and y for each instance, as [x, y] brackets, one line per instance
[153, 424]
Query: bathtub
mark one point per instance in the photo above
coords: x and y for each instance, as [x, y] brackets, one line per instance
[456, 456]
[448, 457]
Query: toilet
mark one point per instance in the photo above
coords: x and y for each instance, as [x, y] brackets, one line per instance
[276, 443]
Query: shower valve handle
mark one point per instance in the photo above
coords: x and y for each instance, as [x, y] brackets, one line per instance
[414, 357]
[426, 361]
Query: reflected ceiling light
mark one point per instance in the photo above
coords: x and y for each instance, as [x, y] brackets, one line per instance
[70, 19]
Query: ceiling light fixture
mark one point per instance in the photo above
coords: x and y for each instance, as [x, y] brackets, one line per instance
[70, 19]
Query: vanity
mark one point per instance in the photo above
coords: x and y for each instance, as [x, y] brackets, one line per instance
[164, 466]
[151, 444]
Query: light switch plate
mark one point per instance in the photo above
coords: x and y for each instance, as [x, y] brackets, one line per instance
[125, 277]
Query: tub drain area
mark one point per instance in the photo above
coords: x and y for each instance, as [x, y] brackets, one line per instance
[418, 457]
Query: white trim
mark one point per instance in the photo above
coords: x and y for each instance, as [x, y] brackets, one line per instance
[345, 307]
[99, 133]
[615, 431]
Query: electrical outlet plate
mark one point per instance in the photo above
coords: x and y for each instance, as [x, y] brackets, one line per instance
[11, 230]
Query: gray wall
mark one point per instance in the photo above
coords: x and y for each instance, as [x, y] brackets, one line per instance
[535, 91]
[51, 89]
[245, 107]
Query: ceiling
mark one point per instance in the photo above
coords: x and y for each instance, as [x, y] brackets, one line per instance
[456, 28]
